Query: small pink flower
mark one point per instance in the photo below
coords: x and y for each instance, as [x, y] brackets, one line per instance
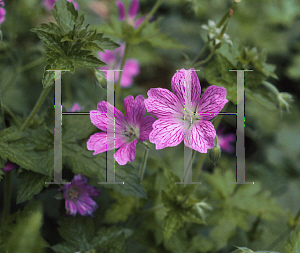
[132, 13]
[76, 108]
[180, 119]
[2, 3]
[9, 166]
[225, 140]
[113, 60]
[2, 14]
[50, 3]
[78, 196]
[128, 131]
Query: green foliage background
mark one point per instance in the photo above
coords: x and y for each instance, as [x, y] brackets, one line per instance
[154, 215]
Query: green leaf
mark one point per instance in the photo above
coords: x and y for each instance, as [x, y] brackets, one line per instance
[77, 232]
[217, 73]
[172, 222]
[88, 61]
[32, 150]
[48, 28]
[51, 41]
[79, 235]
[31, 184]
[105, 43]
[131, 186]
[25, 236]
[48, 77]
[100, 78]
[293, 244]
[65, 15]
[120, 211]
[112, 240]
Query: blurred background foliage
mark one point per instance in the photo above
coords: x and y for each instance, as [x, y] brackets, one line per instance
[272, 140]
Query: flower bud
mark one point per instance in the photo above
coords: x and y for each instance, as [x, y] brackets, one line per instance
[215, 153]
[284, 99]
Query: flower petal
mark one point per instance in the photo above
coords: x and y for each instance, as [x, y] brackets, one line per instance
[109, 57]
[92, 191]
[2, 14]
[146, 127]
[121, 9]
[133, 9]
[200, 136]
[163, 103]
[126, 153]
[225, 142]
[135, 110]
[212, 102]
[71, 207]
[167, 132]
[126, 81]
[99, 117]
[98, 142]
[49, 4]
[191, 93]
[131, 67]
[139, 21]
[9, 166]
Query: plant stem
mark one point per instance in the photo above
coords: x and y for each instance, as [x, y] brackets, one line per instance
[205, 60]
[11, 114]
[190, 167]
[200, 53]
[143, 166]
[118, 86]
[36, 108]
[271, 87]
[7, 195]
[153, 10]
[31, 64]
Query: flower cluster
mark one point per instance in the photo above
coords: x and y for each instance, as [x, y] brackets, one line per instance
[213, 33]
[182, 116]
[113, 60]
[2, 12]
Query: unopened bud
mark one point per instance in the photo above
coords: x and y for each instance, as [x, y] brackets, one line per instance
[284, 99]
[215, 153]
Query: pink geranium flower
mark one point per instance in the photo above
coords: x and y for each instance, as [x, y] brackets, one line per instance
[185, 119]
[9, 166]
[132, 13]
[78, 196]
[225, 140]
[2, 14]
[2, 2]
[128, 131]
[50, 3]
[113, 60]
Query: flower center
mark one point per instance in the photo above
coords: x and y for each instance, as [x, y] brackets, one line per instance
[73, 193]
[131, 133]
[189, 118]
[131, 21]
